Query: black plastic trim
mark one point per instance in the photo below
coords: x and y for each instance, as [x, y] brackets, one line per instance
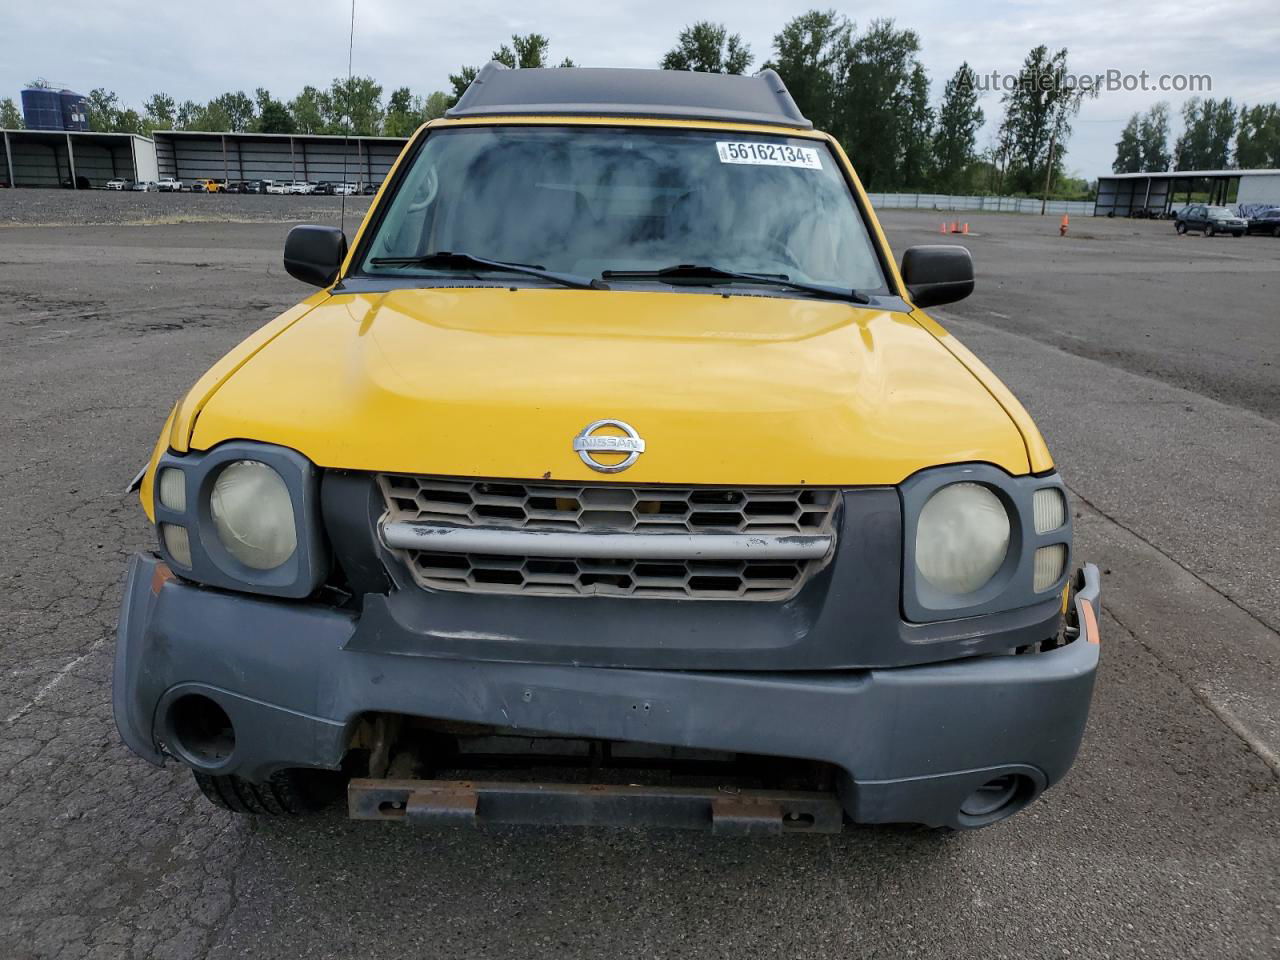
[211, 563]
[607, 92]
[1012, 586]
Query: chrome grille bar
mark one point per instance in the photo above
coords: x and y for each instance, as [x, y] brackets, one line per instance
[437, 538]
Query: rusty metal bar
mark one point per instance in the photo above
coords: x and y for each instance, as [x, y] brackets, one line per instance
[723, 811]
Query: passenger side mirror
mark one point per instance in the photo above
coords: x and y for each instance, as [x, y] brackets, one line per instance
[314, 254]
[937, 273]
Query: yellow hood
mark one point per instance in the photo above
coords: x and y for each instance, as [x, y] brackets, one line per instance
[495, 382]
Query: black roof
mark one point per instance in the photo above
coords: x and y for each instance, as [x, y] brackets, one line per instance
[593, 91]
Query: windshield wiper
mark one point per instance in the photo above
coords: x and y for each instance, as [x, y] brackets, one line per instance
[451, 260]
[692, 272]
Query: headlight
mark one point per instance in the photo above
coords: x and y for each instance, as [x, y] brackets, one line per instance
[253, 514]
[962, 538]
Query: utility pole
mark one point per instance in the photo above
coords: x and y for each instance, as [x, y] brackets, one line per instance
[1048, 171]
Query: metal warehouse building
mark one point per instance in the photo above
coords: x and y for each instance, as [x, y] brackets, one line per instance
[1155, 194]
[189, 155]
[54, 158]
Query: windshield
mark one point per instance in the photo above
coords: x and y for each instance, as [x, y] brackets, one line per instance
[1220, 212]
[583, 200]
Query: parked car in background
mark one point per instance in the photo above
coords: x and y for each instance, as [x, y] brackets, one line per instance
[323, 188]
[302, 187]
[276, 186]
[143, 186]
[198, 186]
[117, 183]
[369, 189]
[1266, 222]
[1211, 221]
[344, 189]
[169, 185]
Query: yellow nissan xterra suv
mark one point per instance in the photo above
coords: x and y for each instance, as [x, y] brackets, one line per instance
[615, 475]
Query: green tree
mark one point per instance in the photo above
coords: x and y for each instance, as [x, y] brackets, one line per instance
[158, 113]
[104, 110]
[358, 101]
[311, 110]
[1128, 149]
[1153, 139]
[460, 81]
[1209, 126]
[873, 118]
[186, 116]
[1258, 137]
[274, 117]
[959, 119]
[10, 116]
[434, 106]
[231, 112]
[526, 52]
[129, 120]
[810, 54]
[915, 163]
[403, 116]
[708, 48]
[1038, 113]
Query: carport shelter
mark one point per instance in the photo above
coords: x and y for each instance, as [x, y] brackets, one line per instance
[78, 159]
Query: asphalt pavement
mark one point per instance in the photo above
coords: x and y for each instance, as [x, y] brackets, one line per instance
[1150, 363]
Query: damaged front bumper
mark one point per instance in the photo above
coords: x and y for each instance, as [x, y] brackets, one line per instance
[912, 743]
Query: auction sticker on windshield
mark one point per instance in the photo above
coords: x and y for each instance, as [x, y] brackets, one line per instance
[768, 154]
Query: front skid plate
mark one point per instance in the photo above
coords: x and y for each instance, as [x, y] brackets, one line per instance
[725, 810]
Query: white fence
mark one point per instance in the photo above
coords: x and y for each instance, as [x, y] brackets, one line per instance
[942, 201]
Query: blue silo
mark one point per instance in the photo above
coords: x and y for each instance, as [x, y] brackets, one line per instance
[75, 110]
[42, 109]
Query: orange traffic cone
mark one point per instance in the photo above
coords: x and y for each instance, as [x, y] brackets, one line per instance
[1062, 228]
[955, 227]
[965, 229]
[943, 228]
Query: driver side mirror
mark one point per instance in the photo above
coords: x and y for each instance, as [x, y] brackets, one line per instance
[936, 273]
[314, 254]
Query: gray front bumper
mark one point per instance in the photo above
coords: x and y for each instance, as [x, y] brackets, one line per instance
[913, 741]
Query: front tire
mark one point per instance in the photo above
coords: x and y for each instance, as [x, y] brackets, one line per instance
[287, 793]
[1179, 228]
[1210, 231]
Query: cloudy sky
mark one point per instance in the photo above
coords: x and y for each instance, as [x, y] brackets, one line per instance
[197, 51]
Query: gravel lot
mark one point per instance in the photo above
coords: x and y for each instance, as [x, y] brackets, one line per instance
[76, 208]
[1147, 360]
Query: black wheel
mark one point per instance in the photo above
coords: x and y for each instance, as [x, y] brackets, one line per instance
[288, 793]
[1276, 232]
[1210, 230]
[1179, 228]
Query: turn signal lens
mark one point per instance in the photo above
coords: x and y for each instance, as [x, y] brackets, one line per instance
[1050, 509]
[1049, 563]
[173, 490]
[177, 543]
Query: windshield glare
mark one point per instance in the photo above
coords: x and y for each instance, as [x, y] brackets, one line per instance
[583, 200]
